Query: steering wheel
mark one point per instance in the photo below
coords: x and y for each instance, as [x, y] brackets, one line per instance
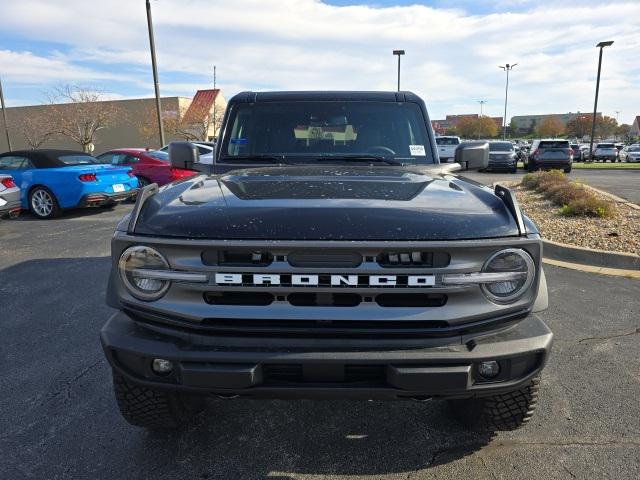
[379, 148]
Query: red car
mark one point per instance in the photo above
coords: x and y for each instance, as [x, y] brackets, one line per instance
[150, 166]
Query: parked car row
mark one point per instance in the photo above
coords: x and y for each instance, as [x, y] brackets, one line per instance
[46, 182]
[553, 153]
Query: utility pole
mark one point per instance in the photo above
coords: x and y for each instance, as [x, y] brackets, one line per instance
[4, 118]
[601, 45]
[154, 67]
[507, 68]
[481, 102]
[399, 53]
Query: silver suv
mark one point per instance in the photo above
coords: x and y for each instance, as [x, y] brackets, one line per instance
[549, 153]
[604, 152]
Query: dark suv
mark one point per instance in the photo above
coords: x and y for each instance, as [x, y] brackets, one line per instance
[551, 153]
[334, 257]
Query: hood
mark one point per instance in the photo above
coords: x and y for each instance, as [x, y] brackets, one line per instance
[327, 203]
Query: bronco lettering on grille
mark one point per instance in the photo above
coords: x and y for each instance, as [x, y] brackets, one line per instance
[319, 280]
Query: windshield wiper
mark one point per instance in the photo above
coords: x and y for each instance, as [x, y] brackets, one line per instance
[359, 158]
[259, 158]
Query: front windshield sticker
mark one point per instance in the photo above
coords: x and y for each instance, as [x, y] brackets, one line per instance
[238, 141]
[417, 150]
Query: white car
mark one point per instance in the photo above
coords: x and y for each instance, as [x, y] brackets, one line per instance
[604, 152]
[447, 147]
[205, 149]
[630, 154]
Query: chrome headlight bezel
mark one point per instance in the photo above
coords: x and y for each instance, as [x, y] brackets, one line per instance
[517, 294]
[125, 273]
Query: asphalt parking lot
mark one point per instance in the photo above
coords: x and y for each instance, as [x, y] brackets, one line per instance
[58, 417]
[623, 183]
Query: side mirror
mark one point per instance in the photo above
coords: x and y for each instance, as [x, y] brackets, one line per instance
[184, 155]
[472, 155]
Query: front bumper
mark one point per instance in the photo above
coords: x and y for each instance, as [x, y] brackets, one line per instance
[436, 367]
[104, 198]
[501, 166]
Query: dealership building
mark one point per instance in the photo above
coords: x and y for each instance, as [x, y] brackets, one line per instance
[526, 124]
[134, 123]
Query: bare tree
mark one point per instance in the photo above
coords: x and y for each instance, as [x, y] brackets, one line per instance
[199, 125]
[80, 113]
[35, 129]
[195, 128]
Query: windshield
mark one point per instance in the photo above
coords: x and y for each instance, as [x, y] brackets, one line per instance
[159, 155]
[634, 149]
[447, 141]
[78, 159]
[500, 147]
[605, 145]
[300, 131]
[554, 144]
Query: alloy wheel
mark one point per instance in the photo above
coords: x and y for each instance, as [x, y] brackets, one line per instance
[42, 203]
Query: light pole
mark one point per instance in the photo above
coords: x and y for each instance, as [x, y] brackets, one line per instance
[399, 53]
[481, 102]
[507, 68]
[4, 118]
[154, 67]
[601, 45]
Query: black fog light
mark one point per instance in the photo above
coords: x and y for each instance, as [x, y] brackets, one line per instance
[489, 369]
[161, 366]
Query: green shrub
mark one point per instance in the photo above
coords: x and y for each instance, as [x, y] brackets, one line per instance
[563, 194]
[551, 179]
[574, 199]
[592, 206]
[566, 211]
[530, 180]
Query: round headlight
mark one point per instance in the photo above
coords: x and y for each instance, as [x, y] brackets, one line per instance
[132, 265]
[511, 260]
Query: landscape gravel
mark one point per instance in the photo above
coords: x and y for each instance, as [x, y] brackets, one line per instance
[620, 233]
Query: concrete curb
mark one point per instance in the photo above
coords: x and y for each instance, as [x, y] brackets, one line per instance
[590, 257]
[611, 196]
[617, 272]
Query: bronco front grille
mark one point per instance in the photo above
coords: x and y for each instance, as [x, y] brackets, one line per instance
[327, 299]
[318, 288]
[320, 259]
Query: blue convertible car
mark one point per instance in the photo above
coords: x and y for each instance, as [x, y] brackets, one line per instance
[53, 180]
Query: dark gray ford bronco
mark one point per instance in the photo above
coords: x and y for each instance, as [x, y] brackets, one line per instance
[328, 254]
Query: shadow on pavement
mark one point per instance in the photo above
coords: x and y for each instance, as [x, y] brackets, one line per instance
[281, 439]
[59, 416]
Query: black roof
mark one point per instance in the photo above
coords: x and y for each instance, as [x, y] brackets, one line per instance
[251, 97]
[44, 158]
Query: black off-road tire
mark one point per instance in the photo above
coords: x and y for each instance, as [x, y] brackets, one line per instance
[154, 409]
[567, 170]
[506, 411]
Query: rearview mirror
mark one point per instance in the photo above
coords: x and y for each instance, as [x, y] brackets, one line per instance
[184, 155]
[472, 155]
